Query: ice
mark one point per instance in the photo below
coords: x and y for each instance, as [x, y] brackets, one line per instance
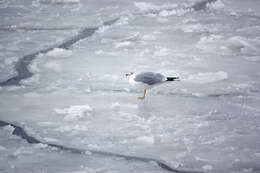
[59, 53]
[207, 167]
[70, 58]
[2, 148]
[53, 65]
[216, 5]
[75, 112]
[146, 139]
[210, 77]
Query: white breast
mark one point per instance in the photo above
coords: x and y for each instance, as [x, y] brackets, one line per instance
[138, 85]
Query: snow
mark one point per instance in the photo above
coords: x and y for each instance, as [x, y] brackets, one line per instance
[146, 139]
[78, 95]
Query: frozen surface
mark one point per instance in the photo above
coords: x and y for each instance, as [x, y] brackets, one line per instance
[79, 97]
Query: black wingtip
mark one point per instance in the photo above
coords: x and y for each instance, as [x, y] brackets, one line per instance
[172, 79]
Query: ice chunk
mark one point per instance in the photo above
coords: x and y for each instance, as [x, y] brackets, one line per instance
[207, 77]
[217, 5]
[239, 44]
[9, 128]
[75, 112]
[50, 139]
[40, 145]
[207, 167]
[59, 53]
[145, 6]
[115, 106]
[174, 12]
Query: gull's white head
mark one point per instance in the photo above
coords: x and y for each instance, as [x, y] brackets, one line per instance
[131, 76]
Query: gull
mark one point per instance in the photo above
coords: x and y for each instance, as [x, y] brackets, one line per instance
[148, 80]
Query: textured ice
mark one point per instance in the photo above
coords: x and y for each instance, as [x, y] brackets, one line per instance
[59, 53]
[75, 112]
[216, 5]
[207, 77]
[78, 96]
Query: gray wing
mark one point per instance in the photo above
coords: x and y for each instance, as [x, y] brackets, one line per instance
[149, 78]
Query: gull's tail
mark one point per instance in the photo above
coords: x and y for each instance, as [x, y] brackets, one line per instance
[172, 79]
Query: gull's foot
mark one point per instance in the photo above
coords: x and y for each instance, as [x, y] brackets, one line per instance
[141, 97]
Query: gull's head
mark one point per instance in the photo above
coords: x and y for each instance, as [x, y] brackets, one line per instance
[129, 74]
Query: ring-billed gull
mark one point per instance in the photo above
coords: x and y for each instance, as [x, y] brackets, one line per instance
[148, 80]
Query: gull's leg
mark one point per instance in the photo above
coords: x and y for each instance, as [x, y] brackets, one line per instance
[143, 97]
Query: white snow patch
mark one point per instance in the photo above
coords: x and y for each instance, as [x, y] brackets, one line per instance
[73, 128]
[32, 94]
[40, 145]
[109, 77]
[210, 77]
[242, 45]
[53, 65]
[36, 3]
[174, 12]
[2, 148]
[209, 39]
[146, 139]
[252, 58]
[148, 37]
[59, 53]
[146, 6]
[207, 167]
[161, 51]
[123, 20]
[9, 128]
[32, 80]
[123, 44]
[216, 5]
[75, 112]
[115, 106]
[23, 151]
[67, 1]
[50, 139]
[11, 60]
[98, 52]
[103, 28]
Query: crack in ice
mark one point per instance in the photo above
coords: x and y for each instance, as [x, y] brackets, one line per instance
[22, 65]
[19, 131]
